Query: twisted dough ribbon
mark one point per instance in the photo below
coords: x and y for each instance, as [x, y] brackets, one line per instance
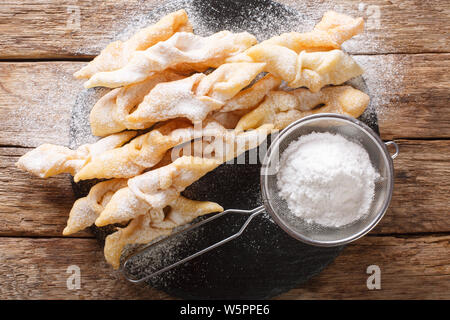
[281, 108]
[145, 151]
[118, 53]
[158, 187]
[49, 160]
[183, 49]
[154, 224]
[197, 96]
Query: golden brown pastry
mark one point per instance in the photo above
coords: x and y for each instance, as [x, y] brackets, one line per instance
[87, 209]
[186, 49]
[159, 221]
[339, 27]
[313, 70]
[309, 59]
[333, 30]
[118, 53]
[158, 187]
[145, 151]
[154, 224]
[251, 97]
[109, 113]
[49, 160]
[154, 189]
[196, 96]
[281, 108]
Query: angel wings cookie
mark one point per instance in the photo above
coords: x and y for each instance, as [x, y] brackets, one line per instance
[329, 34]
[49, 160]
[109, 114]
[154, 224]
[312, 70]
[145, 151]
[196, 96]
[281, 108]
[311, 59]
[117, 54]
[156, 188]
[183, 48]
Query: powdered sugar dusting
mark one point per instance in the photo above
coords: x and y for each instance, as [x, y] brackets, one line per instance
[384, 77]
[208, 17]
[326, 179]
[42, 102]
[80, 129]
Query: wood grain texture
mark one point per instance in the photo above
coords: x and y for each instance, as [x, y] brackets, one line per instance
[39, 207]
[32, 206]
[37, 269]
[36, 101]
[412, 268]
[420, 201]
[48, 29]
[410, 93]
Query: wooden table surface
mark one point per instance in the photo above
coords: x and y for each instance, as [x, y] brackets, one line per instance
[40, 47]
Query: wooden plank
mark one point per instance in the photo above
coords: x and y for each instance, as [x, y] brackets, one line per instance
[36, 101]
[38, 207]
[414, 268]
[50, 29]
[37, 269]
[411, 268]
[420, 201]
[32, 206]
[410, 93]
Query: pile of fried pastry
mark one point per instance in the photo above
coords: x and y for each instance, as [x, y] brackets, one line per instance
[172, 88]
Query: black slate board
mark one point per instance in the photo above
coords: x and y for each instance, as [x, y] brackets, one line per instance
[264, 261]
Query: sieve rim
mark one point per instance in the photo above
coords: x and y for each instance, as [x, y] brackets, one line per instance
[298, 235]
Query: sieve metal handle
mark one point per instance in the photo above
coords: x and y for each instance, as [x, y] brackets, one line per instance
[253, 213]
[397, 149]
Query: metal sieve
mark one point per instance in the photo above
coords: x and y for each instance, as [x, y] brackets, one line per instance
[299, 229]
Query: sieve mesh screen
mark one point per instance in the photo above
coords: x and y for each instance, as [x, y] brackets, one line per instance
[352, 130]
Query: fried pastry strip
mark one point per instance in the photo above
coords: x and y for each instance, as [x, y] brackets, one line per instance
[145, 151]
[309, 59]
[330, 33]
[109, 113]
[313, 70]
[154, 189]
[118, 53]
[224, 148]
[87, 209]
[156, 221]
[49, 160]
[250, 97]
[157, 188]
[154, 224]
[196, 96]
[282, 108]
[185, 49]
[333, 30]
